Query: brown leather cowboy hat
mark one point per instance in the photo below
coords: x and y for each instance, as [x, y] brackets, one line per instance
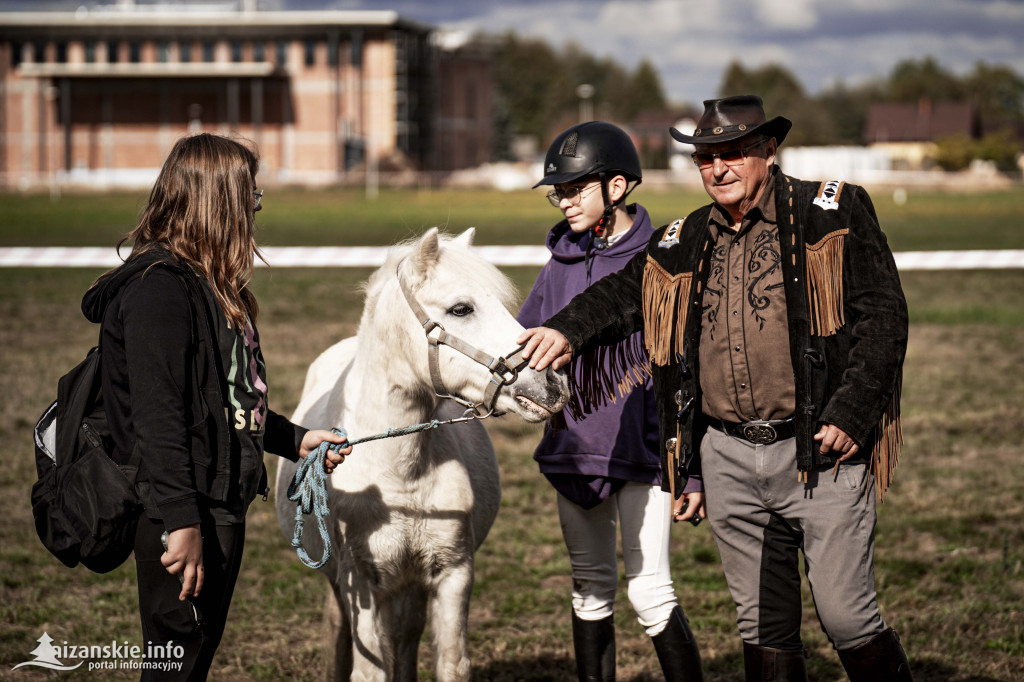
[731, 118]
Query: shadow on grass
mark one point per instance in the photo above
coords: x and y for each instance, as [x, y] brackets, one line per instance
[935, 670]
[539, 669]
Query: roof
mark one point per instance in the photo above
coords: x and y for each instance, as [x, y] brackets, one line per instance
[921, 122]
[165, 18]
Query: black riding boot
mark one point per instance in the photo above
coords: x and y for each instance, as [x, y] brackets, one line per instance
[594, 642]
[880, 659]
[763, 664]
[677, 650]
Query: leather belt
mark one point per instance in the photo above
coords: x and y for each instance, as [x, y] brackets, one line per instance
[756, 432]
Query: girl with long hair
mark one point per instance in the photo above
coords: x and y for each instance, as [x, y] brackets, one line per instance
[184, 385]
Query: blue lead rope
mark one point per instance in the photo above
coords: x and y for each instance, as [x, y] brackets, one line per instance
[308, 488]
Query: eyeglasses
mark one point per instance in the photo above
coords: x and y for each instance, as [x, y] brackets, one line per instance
[574, 194]
[257, 195]
[730, 157]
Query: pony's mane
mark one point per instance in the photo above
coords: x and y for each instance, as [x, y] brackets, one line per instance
[453, 257]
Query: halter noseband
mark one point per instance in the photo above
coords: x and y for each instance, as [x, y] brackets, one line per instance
[504, 370]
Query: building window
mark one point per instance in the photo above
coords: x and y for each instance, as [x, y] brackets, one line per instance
[16, 49]
[112, 52]
[310, 52]
[236, 51]
[208, 51]
[257, 52]
[38, 52]
[62, 52]
[162, 51]
[185, 51]
[134, 52]
[282, 53]
[90, 51]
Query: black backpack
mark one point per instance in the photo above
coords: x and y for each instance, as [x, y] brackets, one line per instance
[85, 505]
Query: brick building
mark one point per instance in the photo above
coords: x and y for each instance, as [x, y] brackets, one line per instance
[98, 96]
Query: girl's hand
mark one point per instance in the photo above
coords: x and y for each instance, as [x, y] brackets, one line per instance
[311, 441]
[184, 558]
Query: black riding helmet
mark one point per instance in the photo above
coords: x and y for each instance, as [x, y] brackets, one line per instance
[590, 148]
[594, 148]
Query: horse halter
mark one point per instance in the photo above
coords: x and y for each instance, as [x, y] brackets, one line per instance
[504, 370]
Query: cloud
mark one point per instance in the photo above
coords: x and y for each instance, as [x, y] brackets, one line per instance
[787, 14]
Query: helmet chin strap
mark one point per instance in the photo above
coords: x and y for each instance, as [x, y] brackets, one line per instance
[600, 241]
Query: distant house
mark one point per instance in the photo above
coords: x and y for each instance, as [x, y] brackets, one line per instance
[99, 95]
[907, 132]
[650, 132]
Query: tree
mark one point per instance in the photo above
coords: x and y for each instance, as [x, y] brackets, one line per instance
[954, 152]
[997, 92]
[912, 81]
[535, 89]
[782, 95]
[846, 110]
[646, 93]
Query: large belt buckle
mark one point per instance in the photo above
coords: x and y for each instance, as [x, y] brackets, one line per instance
[760, 433]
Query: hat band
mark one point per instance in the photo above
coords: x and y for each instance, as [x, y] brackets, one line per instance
[720, 130]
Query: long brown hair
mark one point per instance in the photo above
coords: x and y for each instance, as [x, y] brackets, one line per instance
[201, 210]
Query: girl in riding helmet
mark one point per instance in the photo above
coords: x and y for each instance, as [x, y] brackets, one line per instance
[605, 461]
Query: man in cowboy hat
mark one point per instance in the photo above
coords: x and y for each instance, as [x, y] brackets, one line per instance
[776, 327]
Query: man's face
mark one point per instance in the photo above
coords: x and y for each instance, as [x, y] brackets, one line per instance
[736, 183]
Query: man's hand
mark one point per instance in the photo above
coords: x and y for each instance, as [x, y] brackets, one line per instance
[834, 439]
[545, 346]
[688, 505]
[311, 441]
[184, 558]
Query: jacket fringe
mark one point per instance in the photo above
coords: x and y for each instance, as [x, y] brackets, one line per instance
[666, 300]
[605, 374]
[886, 453]
[825, 283]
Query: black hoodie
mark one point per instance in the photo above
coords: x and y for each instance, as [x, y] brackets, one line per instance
[164, 388]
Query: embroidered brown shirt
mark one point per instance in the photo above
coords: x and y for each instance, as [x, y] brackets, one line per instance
[745, 368]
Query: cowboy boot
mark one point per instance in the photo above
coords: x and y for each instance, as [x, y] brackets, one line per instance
[594, 643]
[880, 659]
[764, 664]
[677, 650]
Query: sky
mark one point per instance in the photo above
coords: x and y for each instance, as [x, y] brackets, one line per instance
[691, 42]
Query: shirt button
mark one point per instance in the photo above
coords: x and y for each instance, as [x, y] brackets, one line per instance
[735, 312]
[737, 349]
[743, 385]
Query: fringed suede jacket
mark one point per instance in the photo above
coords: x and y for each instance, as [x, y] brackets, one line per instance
[847, 325]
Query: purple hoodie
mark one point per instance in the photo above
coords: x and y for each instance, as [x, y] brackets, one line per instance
[620, 440]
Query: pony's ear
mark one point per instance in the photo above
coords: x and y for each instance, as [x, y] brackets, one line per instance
[427, 250]
[466, 238]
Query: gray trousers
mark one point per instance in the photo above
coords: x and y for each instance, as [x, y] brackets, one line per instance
[761, 515]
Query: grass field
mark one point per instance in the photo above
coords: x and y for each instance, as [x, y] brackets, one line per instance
[949, 537]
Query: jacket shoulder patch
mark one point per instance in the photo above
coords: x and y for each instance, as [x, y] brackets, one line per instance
[671, 236]
[828, 195]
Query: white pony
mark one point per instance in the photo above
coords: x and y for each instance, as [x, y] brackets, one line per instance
[407, 514]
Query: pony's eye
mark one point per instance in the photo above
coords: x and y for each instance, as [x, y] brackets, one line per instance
[460, 309]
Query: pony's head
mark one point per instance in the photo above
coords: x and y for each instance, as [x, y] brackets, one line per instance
[470, 299]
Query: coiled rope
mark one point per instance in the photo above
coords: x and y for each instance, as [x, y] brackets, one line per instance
[308, 488]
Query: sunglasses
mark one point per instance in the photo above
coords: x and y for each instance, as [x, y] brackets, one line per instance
[257, 195]
[730, 157]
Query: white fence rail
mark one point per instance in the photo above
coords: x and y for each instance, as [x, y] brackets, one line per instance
[373, 256]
